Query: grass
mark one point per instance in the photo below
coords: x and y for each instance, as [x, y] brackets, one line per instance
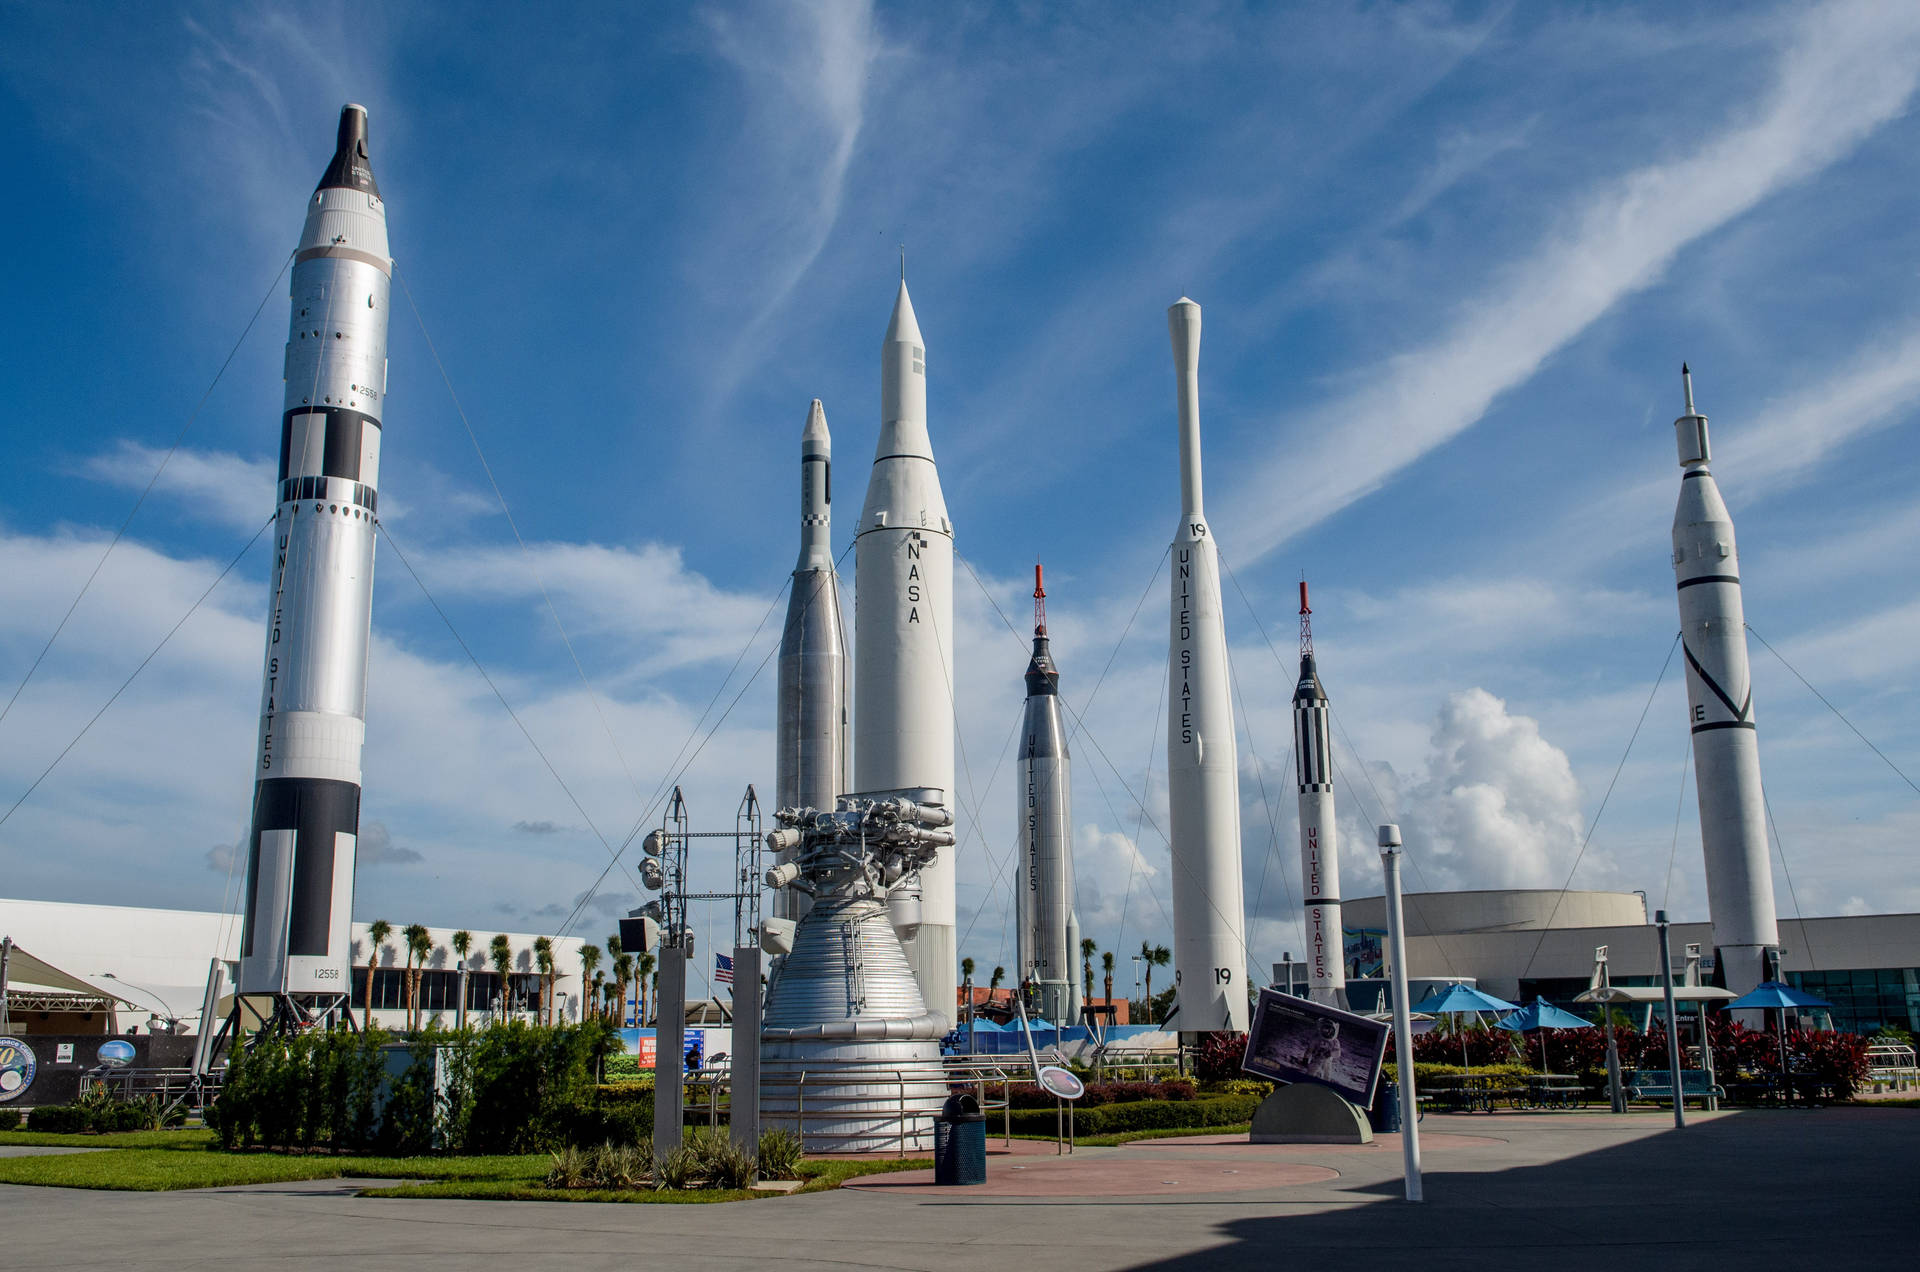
[190, 1161]
[196, 1137]
[165, 1169]
[1126, 1137]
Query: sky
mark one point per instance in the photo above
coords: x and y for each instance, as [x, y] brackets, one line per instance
[1450, 257]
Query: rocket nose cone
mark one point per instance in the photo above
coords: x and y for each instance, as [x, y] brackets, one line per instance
[351, 168]
[816, 429]
[903, 327]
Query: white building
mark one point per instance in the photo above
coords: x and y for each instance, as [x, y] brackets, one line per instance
[151, 965]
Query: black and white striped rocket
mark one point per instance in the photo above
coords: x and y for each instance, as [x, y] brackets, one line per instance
[1726, 745]
[1319, 835]
[811, 757]
[1048, 935]
[295, 943]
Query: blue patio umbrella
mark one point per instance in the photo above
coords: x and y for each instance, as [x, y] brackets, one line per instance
[1543, 1015]
[1774, 996]
[1459, 1000]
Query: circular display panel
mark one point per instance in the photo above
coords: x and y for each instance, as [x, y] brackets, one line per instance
[17, 1066]
[1062, 1082]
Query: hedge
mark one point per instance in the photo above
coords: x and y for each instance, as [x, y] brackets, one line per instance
[1143, 1115]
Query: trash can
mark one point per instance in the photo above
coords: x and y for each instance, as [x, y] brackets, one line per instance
[1385, 1113]
[960, 1142]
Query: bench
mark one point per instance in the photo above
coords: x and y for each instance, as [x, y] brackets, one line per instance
[1657, 1084]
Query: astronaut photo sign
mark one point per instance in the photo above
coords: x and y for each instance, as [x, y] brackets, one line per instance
[1294, 1040]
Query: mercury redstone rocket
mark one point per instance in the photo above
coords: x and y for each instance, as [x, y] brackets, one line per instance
[1203, 775]
[811, 764]
[1726, 746]
[295, 944]
[1319, 837]
[903, 647]
[1048, 929]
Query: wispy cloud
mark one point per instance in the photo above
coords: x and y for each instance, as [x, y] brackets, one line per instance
[1845, 70]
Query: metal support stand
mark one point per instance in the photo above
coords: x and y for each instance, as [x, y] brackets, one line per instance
[1673, 1024]
[745, 1083]
[670, 1051]
[1402, 1014]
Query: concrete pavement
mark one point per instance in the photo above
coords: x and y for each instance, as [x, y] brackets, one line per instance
[1745, 1191]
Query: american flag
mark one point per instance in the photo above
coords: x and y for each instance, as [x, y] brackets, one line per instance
[723, 969]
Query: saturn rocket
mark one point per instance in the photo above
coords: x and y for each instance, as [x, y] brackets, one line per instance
[1726, 746]
[903, 648]
[1203, 776]
[811, 764]
[295, 942]
[1048, 929]
[1319, 837]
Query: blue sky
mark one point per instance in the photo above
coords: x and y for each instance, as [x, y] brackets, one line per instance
[1450, 257]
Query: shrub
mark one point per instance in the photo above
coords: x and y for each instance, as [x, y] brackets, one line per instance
[1143, 1115]
[1219, 1056]
[780, 1153]
[1030, 1095]
[718, 1161]
[58, 1119]
[677, 1169]
[12, 1119]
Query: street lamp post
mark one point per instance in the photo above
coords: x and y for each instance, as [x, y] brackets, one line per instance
[1402, 1016]
[1673, 1023]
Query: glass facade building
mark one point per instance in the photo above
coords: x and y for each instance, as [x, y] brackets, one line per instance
[1866, 1000]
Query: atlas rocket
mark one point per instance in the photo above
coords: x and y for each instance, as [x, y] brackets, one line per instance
[1048, 936]
[1726, 745]
[295, 943]
[811, 755]
[1203, 774]
[903, 648]
[1319, 836]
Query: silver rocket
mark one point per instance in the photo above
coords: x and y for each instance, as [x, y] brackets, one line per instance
[295, 941]
[811, 765]
[1203, 774]
[1726, 746]
[903, 646]
[1048, 930]
[1319, 836]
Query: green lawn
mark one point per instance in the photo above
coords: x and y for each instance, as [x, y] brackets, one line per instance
[151, 1169]
[197, 1137]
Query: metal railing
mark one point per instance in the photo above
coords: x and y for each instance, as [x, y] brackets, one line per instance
[904, 1124]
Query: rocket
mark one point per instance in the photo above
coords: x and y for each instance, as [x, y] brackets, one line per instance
[811, 764]
[1319, 837]
[903, 646]
[1726, 745]
[1203, 774]
[295, 942]
[1048, 930]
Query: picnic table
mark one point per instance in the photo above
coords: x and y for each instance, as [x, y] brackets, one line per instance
[1554, 1090]
[1472, 1092]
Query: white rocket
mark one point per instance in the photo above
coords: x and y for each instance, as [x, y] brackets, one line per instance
[295, 943]
[1319, 836]
[811, 756]
[1726, 746]
[1203, 775]
[1048, 930]
[903, 647]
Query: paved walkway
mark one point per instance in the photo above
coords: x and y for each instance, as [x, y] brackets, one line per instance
[1748, 1191]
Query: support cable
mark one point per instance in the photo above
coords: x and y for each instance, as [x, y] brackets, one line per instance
[151, 655]
[151, 483]
[1836, 711]
[1595, 823]
[1679, 807]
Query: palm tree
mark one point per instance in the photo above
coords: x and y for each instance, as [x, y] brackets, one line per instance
[377, 933]
[419, 949]
[462, 947]
[500, 954]
[644, 968]
[622, 977]
[594, 999]
[993, 983]
[966, 981]
[589, 972]
[1087, 950]
[1153, 956]
[543, 963]
[1106, 965]
[608, 993]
